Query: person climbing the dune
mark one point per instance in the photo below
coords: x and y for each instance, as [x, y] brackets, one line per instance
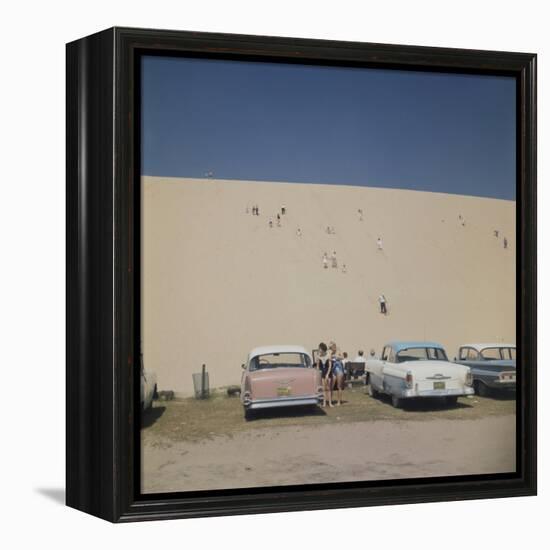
[382, 302]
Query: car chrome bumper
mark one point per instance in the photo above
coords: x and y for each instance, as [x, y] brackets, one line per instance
[451, 392]
[502, 384]
[283, 402]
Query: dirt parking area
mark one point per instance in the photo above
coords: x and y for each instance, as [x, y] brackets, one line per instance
[190, 445]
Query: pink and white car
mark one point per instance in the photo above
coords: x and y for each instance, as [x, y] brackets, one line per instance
[279, 376]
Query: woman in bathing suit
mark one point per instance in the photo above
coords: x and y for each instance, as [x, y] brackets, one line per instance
[324, 364]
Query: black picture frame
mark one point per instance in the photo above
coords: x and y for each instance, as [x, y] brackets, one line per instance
[103, 273]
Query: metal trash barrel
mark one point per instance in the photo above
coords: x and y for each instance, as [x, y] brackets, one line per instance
[201, 384]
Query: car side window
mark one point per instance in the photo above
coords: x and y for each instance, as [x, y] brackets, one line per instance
[385, 354]
[462, 353]
[391, 356]
[471, 355]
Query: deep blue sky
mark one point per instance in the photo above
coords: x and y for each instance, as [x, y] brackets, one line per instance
[279, 122]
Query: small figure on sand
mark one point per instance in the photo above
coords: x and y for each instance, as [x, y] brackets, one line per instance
[270, 223]
[257, 210]
[325, 260]
[278, 220]
[382, 302]
[334, 260]
[505, 242]
[328, 230]
[283, 210]
[461, 220]
[379, 244]
[360, 212]
[298, 232]
[495, 233]
[344, 269]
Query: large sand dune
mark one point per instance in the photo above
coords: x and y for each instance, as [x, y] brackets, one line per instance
[218, 282]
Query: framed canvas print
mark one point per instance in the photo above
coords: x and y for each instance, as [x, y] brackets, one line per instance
[301, 274]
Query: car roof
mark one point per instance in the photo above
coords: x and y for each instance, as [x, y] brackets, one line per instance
[284, 348]
[480, 347]
[399, 345]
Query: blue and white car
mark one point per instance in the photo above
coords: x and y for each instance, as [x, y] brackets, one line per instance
[407, 370]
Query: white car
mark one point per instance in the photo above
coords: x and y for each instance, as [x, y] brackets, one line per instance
[148, 387]
[417, 369]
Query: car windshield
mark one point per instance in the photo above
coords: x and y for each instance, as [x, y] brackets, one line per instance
[280, 360]
[498, 353]
[424, 354]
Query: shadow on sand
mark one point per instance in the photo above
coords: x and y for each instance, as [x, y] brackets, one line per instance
[426, 404]
[150, 416]
[502, 395]
[288, 412]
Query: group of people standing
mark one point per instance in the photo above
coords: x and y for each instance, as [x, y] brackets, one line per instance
[332, 364]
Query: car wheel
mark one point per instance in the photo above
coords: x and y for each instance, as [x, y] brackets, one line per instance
[372, 392]
[248, 414]
[481, 389]
[395, 401]
[451, 401]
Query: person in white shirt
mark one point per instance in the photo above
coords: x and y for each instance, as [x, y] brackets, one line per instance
[360, 357]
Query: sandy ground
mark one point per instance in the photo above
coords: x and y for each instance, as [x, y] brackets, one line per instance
[331, 453]
[218, 282]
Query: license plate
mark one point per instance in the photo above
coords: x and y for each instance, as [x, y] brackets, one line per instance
[439, 385]
[283, 391]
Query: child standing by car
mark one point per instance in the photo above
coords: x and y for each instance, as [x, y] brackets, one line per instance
[337, 370]
[324, 364]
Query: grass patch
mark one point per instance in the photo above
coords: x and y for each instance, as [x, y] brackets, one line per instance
[192, 420]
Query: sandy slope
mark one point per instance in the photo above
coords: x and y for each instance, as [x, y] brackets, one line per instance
[351, 452]
[218, 281]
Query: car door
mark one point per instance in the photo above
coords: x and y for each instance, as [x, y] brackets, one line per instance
[376, 367]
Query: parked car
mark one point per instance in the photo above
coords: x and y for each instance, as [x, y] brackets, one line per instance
[407, 370]
[279, 376]
[148, 387]
[493, 366]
